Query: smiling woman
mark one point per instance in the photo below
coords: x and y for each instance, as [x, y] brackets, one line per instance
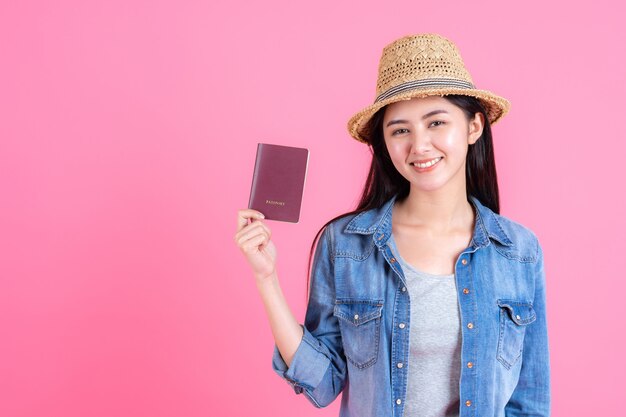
[434, 142]
[424, 300]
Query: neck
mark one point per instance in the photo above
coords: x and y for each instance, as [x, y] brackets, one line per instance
[437, 211]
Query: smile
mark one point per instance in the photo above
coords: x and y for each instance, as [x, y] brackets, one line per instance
[426, 164]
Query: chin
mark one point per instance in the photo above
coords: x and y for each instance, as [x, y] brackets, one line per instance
[426, 186]
[421, 188]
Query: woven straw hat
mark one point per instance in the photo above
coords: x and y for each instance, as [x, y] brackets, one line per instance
[419, 66]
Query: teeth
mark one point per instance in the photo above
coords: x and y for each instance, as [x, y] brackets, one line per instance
[427, 164]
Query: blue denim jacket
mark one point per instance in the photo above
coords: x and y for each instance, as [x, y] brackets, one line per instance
[356, 329]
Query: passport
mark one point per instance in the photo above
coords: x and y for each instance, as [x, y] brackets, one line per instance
[278, 181]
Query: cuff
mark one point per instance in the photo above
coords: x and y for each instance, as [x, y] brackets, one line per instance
[308, 366]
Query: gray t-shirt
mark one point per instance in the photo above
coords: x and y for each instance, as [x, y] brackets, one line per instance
[434, 366]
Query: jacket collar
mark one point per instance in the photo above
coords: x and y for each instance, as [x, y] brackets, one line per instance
[377, 222]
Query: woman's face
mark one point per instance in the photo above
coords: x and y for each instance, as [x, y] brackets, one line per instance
[434, 131]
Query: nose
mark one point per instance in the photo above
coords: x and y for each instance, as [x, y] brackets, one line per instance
[420, 143]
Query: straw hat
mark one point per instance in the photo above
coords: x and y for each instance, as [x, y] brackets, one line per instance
[419, 66]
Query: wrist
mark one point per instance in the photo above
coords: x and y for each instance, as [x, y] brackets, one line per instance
[268, 281]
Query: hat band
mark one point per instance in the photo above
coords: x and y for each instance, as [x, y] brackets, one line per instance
[423, 84]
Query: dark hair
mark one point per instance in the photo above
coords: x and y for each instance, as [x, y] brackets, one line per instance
[384, 181]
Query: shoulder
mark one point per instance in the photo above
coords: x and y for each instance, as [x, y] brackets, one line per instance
[340, 224]
[521, 232]
[350, 235]
[525, 243]
[510, 238]
[342, 228]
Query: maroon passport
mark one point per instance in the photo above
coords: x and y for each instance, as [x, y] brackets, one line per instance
[278, 181]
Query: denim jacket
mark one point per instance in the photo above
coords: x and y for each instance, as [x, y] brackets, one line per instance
[356, 329]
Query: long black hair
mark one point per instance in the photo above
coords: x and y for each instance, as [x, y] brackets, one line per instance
[384, 181]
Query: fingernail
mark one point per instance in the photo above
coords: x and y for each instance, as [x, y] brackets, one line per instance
[261, 216]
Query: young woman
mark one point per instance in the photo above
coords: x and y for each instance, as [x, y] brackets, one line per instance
[424, 301]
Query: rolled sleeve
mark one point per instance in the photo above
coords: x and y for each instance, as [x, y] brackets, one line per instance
[308, 365]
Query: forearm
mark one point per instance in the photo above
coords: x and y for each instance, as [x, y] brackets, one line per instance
[286, 330]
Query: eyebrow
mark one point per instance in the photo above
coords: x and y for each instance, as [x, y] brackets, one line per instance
[426, 116]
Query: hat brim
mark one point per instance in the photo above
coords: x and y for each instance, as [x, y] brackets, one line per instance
[495, 106]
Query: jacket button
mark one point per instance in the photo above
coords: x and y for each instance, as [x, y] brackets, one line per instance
[398, 401]
[518, 317]
[464, 261]
[468, 403]
[393, 260]
[400, 365]
[469, 364]
[465, 291]
[401, 325]
[403, 289]
[356, 316]
[470, 325]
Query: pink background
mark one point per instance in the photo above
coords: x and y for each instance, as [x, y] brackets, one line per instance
[127, 138]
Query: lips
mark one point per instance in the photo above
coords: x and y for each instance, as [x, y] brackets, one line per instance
[426, 164]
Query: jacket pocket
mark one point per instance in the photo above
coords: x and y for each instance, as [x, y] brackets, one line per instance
[359, 323]
[514, 317]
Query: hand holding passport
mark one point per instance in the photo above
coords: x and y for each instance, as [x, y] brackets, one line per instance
[278, 181]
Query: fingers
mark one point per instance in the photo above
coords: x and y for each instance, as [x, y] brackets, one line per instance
[244, 214]
[251, 231]
[254, 243]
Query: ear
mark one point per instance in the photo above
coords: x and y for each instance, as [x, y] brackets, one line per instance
[475, 128]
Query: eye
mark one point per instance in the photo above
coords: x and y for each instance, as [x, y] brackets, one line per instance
[440, 122]
[398, 131]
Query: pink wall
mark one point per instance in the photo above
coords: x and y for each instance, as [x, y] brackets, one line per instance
[127, 139]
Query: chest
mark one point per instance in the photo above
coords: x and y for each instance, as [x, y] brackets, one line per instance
[430, 253]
